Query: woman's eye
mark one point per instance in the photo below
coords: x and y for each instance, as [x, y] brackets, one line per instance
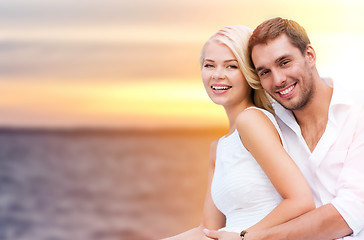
[233, 66]
[208, 65]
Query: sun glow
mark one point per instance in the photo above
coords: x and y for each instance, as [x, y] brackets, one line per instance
[140, 68]
[109, 104]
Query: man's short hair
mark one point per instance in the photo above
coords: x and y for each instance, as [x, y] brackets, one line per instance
[273, 28]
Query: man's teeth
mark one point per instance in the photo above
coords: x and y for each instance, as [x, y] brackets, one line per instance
[220, 87]
[287, 90]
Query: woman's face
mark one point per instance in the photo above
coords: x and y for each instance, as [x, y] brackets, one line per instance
[223, 80]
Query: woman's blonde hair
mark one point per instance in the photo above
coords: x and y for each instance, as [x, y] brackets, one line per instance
[236, 38]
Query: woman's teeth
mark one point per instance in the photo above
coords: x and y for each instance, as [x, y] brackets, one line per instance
[220, 87]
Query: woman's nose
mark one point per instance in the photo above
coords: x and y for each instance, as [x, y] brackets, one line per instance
[218, 73]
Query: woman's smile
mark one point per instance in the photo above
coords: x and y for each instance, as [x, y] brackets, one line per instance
[220, 88]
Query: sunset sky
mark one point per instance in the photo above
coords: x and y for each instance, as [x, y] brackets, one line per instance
[135, 64]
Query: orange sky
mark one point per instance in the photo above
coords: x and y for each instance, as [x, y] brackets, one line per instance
[108, 104]
[135, 63]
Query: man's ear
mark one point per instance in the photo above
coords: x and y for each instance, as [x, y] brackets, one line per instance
[310, 55]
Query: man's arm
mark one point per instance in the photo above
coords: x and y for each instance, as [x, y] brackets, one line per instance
[327, 221]
[323, 223]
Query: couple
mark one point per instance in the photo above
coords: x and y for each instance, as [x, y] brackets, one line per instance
[255, 189]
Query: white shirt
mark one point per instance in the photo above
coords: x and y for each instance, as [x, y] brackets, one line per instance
[240, 189]
[335, 168]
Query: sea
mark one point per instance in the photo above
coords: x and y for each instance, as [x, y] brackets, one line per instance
[92, 184]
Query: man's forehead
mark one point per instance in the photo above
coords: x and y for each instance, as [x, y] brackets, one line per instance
[273, 49]
[280, 41]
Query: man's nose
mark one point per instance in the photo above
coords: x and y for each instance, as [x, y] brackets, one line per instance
[279, 77]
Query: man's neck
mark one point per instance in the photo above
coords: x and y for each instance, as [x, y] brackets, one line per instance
[313, 118]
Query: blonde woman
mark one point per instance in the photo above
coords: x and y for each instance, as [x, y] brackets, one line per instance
[253, 184]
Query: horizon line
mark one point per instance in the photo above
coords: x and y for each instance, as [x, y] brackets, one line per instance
[185, 130]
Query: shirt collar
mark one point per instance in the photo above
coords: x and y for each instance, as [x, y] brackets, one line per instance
[341, 102]
[286, 116]
[340, 95]
[340, 98]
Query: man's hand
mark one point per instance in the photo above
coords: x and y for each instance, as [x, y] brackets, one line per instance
[221, 235]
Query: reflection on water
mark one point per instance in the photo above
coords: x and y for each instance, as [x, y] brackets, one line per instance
[105, 186]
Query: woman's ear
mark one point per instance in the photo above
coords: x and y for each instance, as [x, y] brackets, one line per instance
[310, 55]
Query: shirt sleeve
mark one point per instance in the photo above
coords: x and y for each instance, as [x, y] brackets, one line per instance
[349, 200]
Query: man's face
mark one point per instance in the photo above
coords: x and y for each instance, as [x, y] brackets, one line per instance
[284, 72]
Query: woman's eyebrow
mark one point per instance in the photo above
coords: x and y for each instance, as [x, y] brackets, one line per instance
[230, 60]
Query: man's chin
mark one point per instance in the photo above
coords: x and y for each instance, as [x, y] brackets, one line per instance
[294, 106]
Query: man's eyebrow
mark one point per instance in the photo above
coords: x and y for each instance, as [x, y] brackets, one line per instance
[259, 69]
[281, 58]
[276, 61]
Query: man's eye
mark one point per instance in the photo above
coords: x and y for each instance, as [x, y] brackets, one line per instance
[284, 63]
[263, 73]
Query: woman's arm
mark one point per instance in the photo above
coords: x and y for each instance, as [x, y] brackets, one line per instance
[260, 137]
[321, 223]
[212, 218]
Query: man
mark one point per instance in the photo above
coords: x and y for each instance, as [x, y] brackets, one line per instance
[324, 130]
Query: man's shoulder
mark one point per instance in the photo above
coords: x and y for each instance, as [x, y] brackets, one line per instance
[349, 96]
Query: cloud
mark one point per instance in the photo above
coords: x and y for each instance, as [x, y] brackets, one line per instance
[97, 12]
[83, 42]
[98, 60]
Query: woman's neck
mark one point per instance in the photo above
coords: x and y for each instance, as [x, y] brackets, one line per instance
[232, 113]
